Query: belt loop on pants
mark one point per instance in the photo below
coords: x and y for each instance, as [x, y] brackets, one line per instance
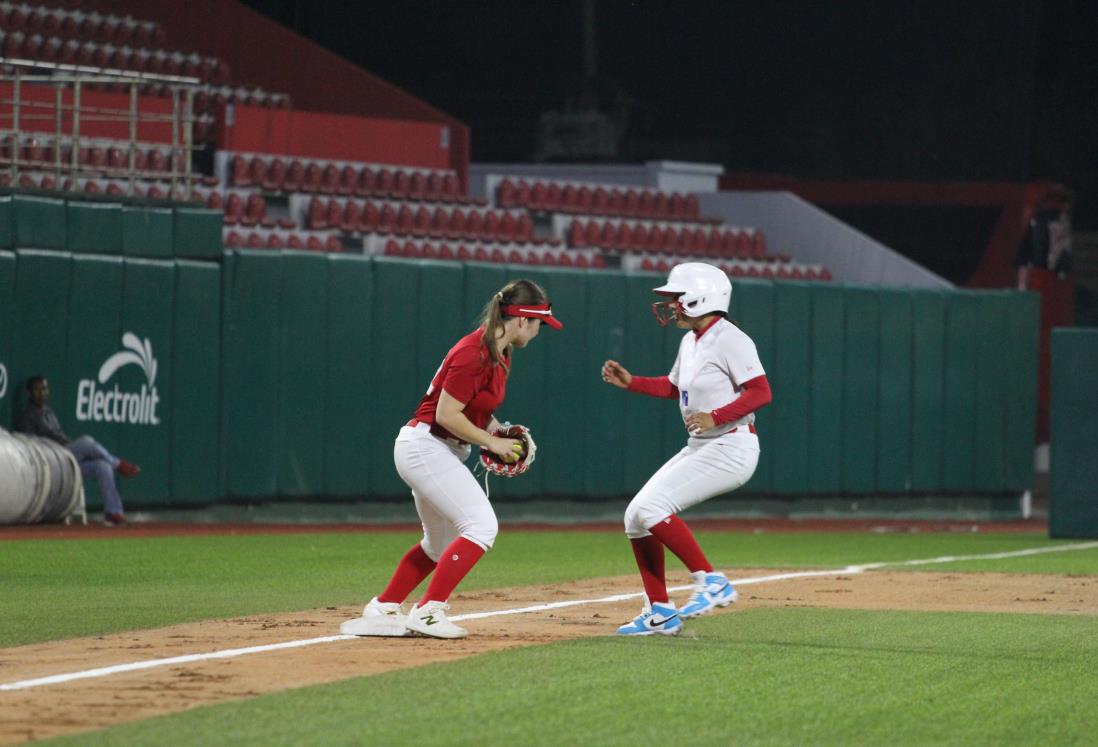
[437, 431]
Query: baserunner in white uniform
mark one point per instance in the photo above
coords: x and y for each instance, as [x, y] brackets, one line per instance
[719, 383]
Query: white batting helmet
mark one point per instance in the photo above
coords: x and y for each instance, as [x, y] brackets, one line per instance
[698, 288]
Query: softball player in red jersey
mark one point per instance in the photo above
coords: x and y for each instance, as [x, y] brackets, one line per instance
[719, 382]
[459, 524]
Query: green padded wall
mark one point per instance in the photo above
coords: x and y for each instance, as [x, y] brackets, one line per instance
[604, 319]
[567, 381]
[148, 232]
[1073, 477]
[41, 320]
[645, 421]
[1021, 348]
[989, 465]
[791, 375]
[825, 412]
[196, 233]
[526, 401]
[928, 413]
[8, 387]
[93, 227]
[397, 384]
[350, 417]
[860, 390]
[94, 334]
[753, 309]
[250, 387]
[962, 346]
[7, 222]
[147, 314]
[195, 412]
[39, 222]
[303, 373]
[894, 395]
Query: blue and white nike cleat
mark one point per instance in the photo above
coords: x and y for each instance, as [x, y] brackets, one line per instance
[710, 590]
[659, 618]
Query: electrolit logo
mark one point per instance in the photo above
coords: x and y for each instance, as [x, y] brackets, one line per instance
[98, 403]
[3, 380]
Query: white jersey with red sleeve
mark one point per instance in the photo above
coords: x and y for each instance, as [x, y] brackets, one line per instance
[710, 370]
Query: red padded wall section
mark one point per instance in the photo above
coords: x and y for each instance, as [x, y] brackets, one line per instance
[38, 112]
[336, 136]
[261, 52]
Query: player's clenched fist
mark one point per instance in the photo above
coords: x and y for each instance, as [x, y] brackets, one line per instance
[614, 373]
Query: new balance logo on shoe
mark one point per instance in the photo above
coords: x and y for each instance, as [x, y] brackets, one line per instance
[429, 620]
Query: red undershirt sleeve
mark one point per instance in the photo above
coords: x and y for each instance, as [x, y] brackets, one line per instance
[755, 393]
[654, 386]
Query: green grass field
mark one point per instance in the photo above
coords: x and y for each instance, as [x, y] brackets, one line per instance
[759, 676]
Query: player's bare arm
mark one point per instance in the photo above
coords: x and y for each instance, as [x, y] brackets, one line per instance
[614, 373]
[451, 416]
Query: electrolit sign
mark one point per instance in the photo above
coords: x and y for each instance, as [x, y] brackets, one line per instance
[3, 380]
[99, 402]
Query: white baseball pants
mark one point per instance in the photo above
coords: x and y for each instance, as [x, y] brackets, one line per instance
[704, 468]
[449, 500]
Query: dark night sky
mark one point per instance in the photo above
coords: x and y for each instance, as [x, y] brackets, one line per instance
[897, 90]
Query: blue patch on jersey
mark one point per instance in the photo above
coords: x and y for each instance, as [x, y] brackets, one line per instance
[685, 397]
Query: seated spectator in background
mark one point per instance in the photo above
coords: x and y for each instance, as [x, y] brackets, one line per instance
[38, 419]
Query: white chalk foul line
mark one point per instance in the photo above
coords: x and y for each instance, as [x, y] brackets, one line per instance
[57, 679]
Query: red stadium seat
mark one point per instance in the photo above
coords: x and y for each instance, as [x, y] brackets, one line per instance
[616, 203]
[515, 257]
[693, 208]
[474, 225]
[329, 179]
[661, 205]
[577, 235]
[433, 190]
[491, 226]
[440, 222]
[352, 213]
[678, 206]
[392, 248]
[600, 201]
[293, 241]
[233, 240]
[522, 194]
[497, 255]
[464, 253]
[508, 227]
[333, 245]
[274, 241]
[417, 185]
[421, 224]
[506, 194]
[276, 175]
[406, 220]
[387, 219]
[538, 196]
[445, 251]
[631, 206]
[569, 199]
[384, 183]
[295, 176]
[364, 186]
[552, 197]
[314, 244]
[458, 228]
[532, 257]
[451, 186]
[646, 206]
[524, 228]
[550, 258]
[402, 182]
[215, 201]
[255, 241]
[370, 218]
[584, 198]
[758, 245]
[317, 215]
[311, 181]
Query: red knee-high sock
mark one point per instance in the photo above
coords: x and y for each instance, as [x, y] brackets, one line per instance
[456, 561]
[413, 568]
[649, 554]
[678, 538]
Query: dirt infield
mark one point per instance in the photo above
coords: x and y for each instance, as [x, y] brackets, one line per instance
[96, 703]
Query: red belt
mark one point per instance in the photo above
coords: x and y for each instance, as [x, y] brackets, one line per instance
[750, 427]
[439, 431]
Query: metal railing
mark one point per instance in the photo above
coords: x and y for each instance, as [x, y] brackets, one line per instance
[67, 120]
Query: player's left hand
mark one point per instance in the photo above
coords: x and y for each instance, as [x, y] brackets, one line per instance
[699, 422]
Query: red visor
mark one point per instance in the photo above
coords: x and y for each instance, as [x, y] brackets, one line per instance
[542, 311]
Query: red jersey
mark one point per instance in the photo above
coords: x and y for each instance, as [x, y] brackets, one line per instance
[468, 375]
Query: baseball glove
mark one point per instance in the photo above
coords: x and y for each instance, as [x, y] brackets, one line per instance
[492, 463]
